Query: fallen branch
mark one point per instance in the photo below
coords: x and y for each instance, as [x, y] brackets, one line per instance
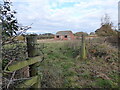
[11, 79]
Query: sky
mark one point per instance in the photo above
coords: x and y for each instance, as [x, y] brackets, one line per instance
[50, 16]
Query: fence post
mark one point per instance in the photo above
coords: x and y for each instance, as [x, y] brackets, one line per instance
[83, 48]
[32, 52]
[0, 55]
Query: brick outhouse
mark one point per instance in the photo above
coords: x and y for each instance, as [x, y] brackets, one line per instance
[64, 35]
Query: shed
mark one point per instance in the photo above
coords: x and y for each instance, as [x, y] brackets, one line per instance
[64, 35]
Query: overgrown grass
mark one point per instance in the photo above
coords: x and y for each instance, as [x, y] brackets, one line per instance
[62, 67]
[65, 70]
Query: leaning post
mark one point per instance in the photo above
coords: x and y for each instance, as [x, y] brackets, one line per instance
[32, 52]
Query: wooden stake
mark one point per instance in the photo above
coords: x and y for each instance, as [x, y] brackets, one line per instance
[83, 48]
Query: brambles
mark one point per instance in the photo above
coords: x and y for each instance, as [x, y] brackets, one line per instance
[105, 51]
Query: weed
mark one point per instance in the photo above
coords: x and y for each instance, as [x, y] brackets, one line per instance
[101, 83]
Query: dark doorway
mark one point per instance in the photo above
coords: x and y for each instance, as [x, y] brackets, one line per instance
[57, 36]
[65, 36]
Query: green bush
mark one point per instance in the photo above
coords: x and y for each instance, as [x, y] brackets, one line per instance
[16, 52]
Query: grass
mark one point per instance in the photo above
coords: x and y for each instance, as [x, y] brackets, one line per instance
[65, 70]
[62, 67]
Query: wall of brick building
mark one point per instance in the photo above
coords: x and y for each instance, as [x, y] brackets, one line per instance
[61, 37]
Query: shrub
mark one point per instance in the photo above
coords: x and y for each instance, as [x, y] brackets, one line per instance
[113, 40]
[105, 51]
[15, 52]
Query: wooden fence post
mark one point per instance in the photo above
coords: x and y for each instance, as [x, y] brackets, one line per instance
[83, 48]
[32, 52]
[31, 41]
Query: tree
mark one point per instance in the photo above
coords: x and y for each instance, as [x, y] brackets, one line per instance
[105, 20]
[10, 29]
[106, 27]
[80, 34]
[10, 26]
[92, 33]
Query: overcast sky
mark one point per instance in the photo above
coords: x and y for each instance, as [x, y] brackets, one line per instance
[56, 15]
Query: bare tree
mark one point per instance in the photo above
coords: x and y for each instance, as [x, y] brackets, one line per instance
[105, 20]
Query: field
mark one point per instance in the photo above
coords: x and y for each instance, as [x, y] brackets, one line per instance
[63, 68]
